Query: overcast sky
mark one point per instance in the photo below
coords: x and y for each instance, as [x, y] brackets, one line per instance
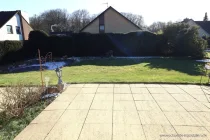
[151, 10]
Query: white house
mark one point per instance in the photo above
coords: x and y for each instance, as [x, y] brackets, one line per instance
[203, 26]
[13, 26]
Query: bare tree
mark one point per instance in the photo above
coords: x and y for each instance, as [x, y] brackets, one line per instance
[48, 18]
[36, 22]
[63, 21]
[137, 19]
[78, 19]
[157, 26]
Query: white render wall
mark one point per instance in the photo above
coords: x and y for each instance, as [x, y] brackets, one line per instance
[200, 30]
[14, 21]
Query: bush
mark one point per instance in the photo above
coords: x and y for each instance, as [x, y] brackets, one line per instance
[184, 41]
[16, 98]
[9, 46]
[2, 52]
[208, 41]
[37, 35]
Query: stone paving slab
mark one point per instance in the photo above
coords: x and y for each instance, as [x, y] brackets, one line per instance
[96, 132]
[155, 132]
[128, 132]
[147, 106]
[124, 112]
[192, 130]
[139, 90]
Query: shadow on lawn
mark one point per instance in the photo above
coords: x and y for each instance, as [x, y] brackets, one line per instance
[183, 65]
[109, 62]
[190, 67]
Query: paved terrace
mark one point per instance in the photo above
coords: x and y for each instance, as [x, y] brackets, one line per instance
[124, 112]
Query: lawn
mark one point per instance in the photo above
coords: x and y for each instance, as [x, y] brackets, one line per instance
[163, 70]
[9, 129]
[208, 55]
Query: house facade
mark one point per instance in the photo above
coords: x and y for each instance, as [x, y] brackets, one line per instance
[13, 26]
[203, 26]
[110, 21]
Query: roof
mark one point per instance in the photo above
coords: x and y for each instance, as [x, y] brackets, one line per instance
[5, 16]
[104, 12]
[205, 25]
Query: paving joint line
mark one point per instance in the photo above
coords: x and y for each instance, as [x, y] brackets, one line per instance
[194, 97]
[113, 113]
[61, 115]
[138, 113]
[163, 112]
[205, 94]
[87, 113]
[190, 113]
[186, 109]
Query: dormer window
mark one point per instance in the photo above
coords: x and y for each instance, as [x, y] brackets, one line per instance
[101, 28]
[101, 24]
[9, 29]
[18, 30]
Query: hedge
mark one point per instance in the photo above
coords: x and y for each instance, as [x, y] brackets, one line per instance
[140, 43]
[86, 44]
[9, 47]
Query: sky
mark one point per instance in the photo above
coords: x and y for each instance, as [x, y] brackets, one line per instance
[151, 10]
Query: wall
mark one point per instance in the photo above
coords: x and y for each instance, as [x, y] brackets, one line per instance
[93, 27]
[14, 21]
[117, 24]
[200, 30]
[114, 23]
[27, 29]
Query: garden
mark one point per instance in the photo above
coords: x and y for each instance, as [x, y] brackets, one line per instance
[133, 57]
[136, 57]
[122, 70]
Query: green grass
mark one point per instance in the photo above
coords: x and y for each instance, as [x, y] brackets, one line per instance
[169, 70]
[11, 128]
[208, 55]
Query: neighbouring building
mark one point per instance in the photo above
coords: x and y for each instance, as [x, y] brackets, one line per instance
[110, 21]
[203, 26]
[14, 25]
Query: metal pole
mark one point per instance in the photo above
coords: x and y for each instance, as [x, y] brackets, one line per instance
[40, 63]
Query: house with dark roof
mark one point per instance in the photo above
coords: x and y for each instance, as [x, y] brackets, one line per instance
[13, 26]
[203, 26]
[110, 21]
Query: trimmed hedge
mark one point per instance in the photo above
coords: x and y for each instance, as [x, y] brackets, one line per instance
[9, 46]
[175, 41]
[86, 44]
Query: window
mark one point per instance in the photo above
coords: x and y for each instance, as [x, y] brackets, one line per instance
[101, 24]
[9, 29]
[101, 28]
[18, 30]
